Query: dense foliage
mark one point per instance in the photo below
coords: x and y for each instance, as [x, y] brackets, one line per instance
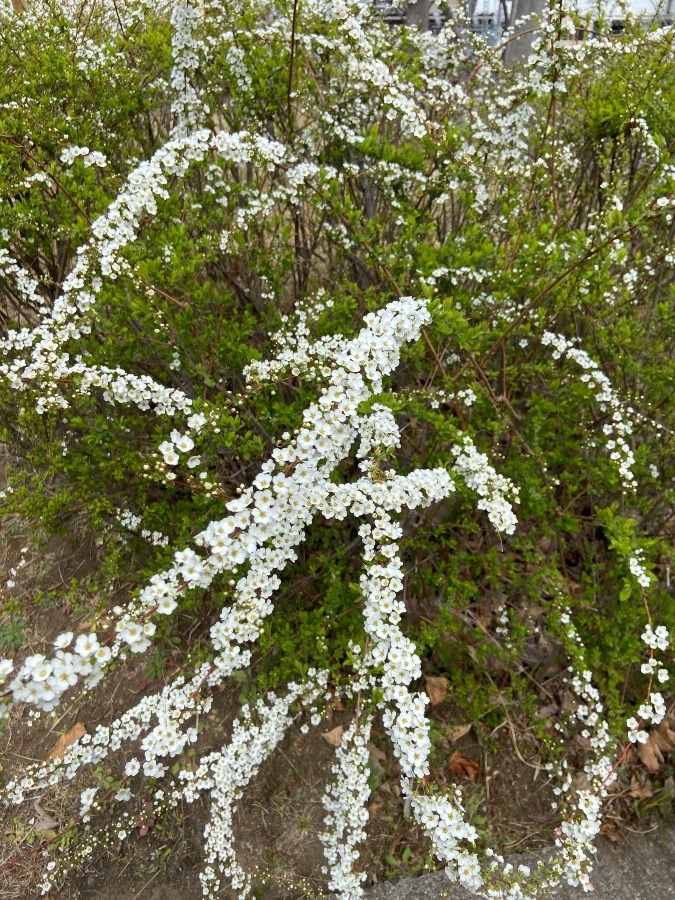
[282, 289]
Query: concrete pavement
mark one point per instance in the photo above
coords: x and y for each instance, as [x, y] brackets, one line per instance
[640, 868]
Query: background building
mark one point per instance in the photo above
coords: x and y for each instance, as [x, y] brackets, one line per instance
[490, 18]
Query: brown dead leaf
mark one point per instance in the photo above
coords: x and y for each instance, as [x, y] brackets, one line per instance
[69, 737]
[658, 746]
[580, 782]
[543, 817]
[375, 807]
[44, 821]
[637, 790]
[334, 736]
[145, 826]
[460, 765]
[664, 734]
[611, 832]
[437, 688]
[650, 756]
[377, 757]
[455, 732]
[569, 703]
[482, 614]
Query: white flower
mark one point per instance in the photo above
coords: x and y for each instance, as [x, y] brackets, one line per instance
[656, 639]
[640, 573]
[63, 640]
[6, 666]
[31, 662]
[166, 606]
[102, 655]
[154, 769]
[86, 644]
[182, 442]
[132, 768]
[86, 799]
[42, 671]
[131, 632]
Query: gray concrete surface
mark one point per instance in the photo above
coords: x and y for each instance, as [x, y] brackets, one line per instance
[640, 868]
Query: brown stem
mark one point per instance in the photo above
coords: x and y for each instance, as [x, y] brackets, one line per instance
[290, 63]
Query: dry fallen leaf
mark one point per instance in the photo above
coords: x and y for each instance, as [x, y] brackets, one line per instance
[637, 790]
[73, 734]
[455, 732]
[543, 817]
[460, 765]
[145, 825]
[536, 610]
[44, 821]
[375, 807]
[437, 688]
[334, 736]
[610, 831]
[377, 756]
[482, 614]
[660, 743]
[569, 703]
[580, 782]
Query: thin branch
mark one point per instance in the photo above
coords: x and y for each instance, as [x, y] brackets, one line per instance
[291, 62]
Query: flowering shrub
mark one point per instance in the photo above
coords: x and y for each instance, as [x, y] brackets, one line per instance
[467, 275]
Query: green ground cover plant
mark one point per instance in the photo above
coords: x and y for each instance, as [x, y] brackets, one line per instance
[350, 348]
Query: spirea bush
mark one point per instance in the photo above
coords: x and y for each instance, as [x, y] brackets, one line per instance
[331, 332]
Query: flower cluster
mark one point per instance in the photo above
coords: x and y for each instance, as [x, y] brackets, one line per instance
[26, 286]
[187, 107]
[654, 708]
[89, 157]
[493, 489]
[344, 801]
[41, 682]
[618, 427]
[227, 772]
[133, 523]
[102, 258]
[638, 571]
